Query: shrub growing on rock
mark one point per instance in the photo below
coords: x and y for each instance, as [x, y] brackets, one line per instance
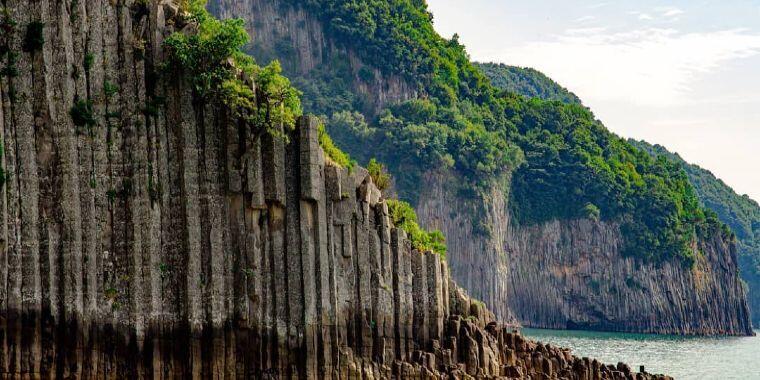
[403, 216]
[82, 114]
[379, 174]
[212, 57]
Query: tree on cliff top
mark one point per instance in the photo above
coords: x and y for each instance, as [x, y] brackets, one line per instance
[211, 58]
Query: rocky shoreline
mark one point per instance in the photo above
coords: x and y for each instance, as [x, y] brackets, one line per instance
[38, 347]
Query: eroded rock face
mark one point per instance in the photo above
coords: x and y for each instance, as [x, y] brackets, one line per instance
[571, 274]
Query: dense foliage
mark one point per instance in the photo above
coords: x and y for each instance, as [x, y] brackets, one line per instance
[211, 58]
[568, 164]
[575, 169]
[460, 122]
[739, 212]
[397, 36]
[526, 81]
[380, 176]
[403, 216]
[334, 154]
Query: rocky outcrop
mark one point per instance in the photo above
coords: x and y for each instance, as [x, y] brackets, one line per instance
[280, 30]
[160, 237]
[572, 274]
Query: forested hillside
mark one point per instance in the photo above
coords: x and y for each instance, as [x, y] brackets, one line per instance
[563, 162]
[740, 212]
[526, 81]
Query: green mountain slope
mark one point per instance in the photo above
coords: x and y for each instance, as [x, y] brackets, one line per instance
[562, 161]
[526, 81]
[739, 212]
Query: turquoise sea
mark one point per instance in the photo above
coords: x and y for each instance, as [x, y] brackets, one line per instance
[690, 358]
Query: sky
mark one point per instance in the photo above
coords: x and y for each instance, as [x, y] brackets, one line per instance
[683, 74]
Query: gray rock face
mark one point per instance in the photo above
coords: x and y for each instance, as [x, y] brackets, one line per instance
[571, 274]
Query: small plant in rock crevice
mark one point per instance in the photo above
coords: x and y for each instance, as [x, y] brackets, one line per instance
[110, 89]
[82, 113]
[89, 59]
[379, 174]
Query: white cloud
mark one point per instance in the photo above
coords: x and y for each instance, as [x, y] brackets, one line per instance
[641, 15]
[650, 66]
[670, 12]
[584, 19]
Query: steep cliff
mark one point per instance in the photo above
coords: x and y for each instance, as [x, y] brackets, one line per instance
[740, 212]
[591, 283]
[572, 274]
[149, 234]
[292, 35]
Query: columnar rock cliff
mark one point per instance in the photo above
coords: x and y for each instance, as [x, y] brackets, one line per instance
[163, 238]
[572, 274]
[563, 274]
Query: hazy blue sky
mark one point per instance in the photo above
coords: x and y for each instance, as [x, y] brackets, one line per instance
[684, 74]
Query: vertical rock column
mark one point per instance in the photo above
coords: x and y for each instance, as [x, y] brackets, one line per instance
[276, 298]
[402, 293]
[315, 257]
[363, 227]
[420, 299]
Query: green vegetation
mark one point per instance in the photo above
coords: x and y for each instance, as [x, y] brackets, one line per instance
[562, 162]
[89, 59]
[527, 82]
[111, 293]
[380, 176]
[335, 155]
[571, 161]
[403, 216]
[10, 69]
[397, 36]
[7, 27]
[211, 58]
[82, 114]
[34, 37]
[110, 89]
[739, 212]
[592, 212]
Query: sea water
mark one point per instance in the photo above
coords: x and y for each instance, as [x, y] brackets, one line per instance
[681, 357]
